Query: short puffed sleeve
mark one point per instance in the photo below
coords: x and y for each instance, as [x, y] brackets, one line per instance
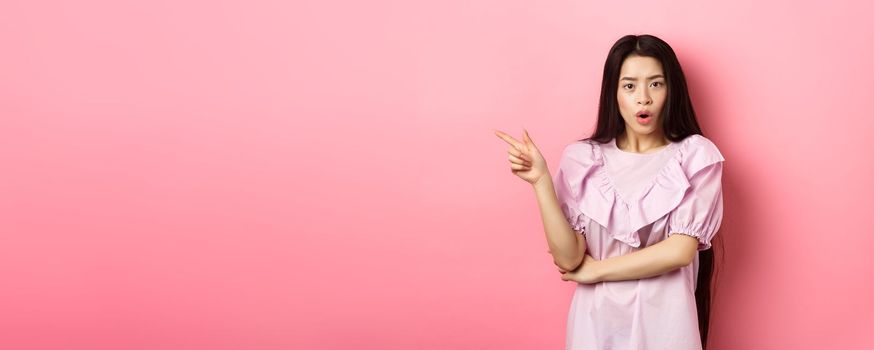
[572, 167]
[699, 214]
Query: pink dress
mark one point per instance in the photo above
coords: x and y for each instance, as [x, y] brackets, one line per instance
[622, 202]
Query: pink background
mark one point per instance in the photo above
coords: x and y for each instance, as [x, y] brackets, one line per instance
[323, 175]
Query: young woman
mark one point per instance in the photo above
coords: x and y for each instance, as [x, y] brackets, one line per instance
[632, 209]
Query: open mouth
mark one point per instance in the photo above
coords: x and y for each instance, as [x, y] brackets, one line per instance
[644, 118]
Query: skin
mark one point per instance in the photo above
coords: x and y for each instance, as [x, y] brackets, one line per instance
[641, 86]
[526, 162]
[567, 247]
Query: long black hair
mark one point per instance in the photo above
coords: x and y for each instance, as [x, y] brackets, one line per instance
[678, 122]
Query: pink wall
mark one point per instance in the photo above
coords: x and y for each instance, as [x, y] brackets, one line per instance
[323, 175]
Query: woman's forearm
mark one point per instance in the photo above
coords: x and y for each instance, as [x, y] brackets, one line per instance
[566, 246]
[665, 256]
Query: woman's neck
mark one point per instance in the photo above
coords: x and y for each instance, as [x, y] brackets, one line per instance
[631, 142]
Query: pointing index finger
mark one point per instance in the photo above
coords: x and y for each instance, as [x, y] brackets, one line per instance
[509, 139]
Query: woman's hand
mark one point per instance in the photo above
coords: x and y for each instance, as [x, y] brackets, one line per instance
[525, 159]
[586, 273]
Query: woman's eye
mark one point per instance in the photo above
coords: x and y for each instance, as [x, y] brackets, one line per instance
[629, 86]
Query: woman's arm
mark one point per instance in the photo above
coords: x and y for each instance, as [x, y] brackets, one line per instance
[566, 246]
[527, 162]
[674, 252]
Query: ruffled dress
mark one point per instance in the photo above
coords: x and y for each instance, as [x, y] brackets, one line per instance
[622, 202]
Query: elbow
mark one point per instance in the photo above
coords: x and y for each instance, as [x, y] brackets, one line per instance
[569, 264]
[580, 254]
[570, 260]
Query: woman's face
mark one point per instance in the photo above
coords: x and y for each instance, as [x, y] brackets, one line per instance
[642, 87]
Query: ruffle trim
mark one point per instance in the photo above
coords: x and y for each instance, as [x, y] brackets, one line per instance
[702, 243]
[622, 217]
[576, 218]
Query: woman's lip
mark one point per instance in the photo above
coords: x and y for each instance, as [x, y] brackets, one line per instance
[643, 112]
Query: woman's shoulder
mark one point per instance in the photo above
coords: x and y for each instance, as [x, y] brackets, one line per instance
[698, 140]
[584, 143]
[697, 152]
[585, 152]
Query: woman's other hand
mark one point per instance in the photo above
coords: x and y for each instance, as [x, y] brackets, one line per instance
[586, 273]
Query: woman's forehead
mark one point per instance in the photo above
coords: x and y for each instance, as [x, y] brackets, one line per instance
[638, 67]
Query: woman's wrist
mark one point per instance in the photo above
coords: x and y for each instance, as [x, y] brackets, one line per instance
[597, 267]
[544, 183]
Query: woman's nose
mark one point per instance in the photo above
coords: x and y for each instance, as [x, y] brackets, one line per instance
[643, 98]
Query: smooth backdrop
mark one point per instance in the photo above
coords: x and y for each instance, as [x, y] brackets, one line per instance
[323, 174]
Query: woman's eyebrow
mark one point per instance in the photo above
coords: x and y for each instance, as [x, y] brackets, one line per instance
[650, 78]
